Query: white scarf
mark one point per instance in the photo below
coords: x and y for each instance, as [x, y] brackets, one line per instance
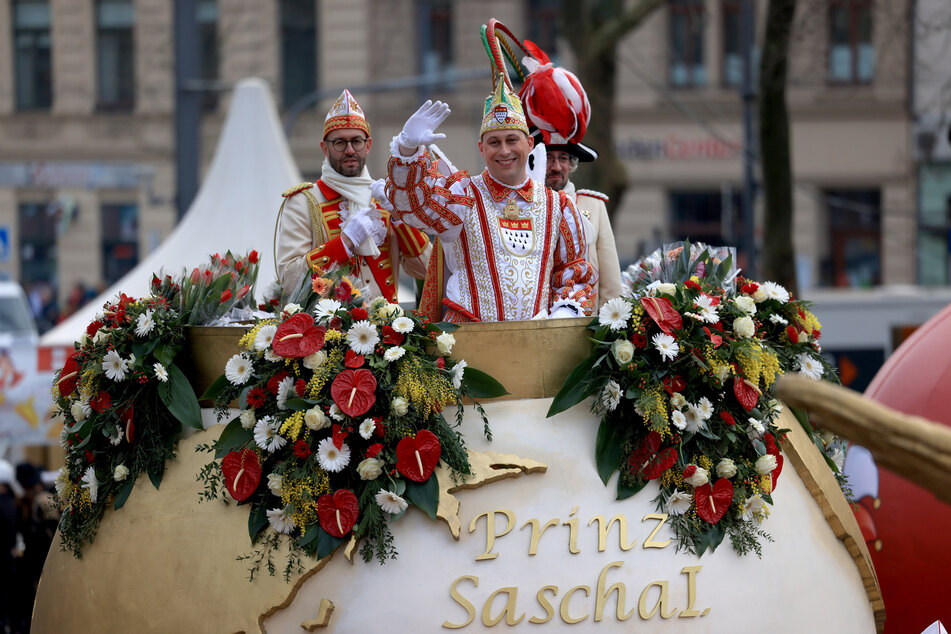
[356, 190]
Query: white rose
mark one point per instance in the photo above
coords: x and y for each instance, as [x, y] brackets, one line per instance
[76, 409]
[765, 464]
[666, 289]
[370, 469]
[100, 336]
[392, 311]
[698, 478]
[247, 418]
[746, 304]
[399, 406]
[623, 351]
[315, 419]
[726, 468]
[445, 342]
[274, 483]
[121, 473]
[677, 400]
[759, 295]
[744, 327]
[290, 309]
[315, 360]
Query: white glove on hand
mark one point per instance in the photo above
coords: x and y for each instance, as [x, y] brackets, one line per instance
[365, 230]
[562, 312]
[420, 128]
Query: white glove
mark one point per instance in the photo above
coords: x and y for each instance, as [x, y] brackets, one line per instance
[420, 128]
[365, 230]
[378, 192]
[562, 312]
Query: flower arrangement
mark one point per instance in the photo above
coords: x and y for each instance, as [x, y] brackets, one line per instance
[123, 398]
[340, 426]
[683, 372]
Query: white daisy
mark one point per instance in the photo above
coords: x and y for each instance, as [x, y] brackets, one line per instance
[270, 355]
[363, 337]
[458, 371]
[666, 346]
[280, 520]
[285, 390]
[262, 340]
[678, 503]
[326, 309]
[403, 325]
[367, 427]
[809, 366]
[772, 290]
[330, 458]
[394, 353]
[238, 369]
[119, 435]
[705, 407]
[678, 419]
[694, 419]
[144, 324]
[390, 502]
[615, 313]
[114, 366]
[91, 484]
[778, 319]
[160, 372]
[611, 395]
[708, 311]
[266, 436]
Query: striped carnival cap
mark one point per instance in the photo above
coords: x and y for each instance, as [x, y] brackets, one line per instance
[346, 113]
[503, 110]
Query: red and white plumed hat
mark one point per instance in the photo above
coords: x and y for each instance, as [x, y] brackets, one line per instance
[555, 103]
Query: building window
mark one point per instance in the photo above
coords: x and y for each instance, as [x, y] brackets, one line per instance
[31, 48]
[854, 217]
[686, 68]
[120, 240]
[705, 216]
[298, 48]
[36, 226]
[207, 19]
[851, 53]
[115, 54]
[543, 25]
[934, 224]
[435, 43]
[732, 71]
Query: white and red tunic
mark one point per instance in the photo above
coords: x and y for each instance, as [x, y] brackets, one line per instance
[493, 266]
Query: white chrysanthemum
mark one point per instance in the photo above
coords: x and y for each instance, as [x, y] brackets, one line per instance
[160, 372]
[705, 407]
[117, 440]
[367, 427]
[809, 366]
[330, 458]
[678, 503]
[772, 290]
[445, 342]
[615, 313]
[266, 436]
[390, 502]
[273, 357]
[765, 464]
[315, 419]
[726, 468]
[756, 428]
[666, 345]
[754, 508]
[326, 309]
[611, 395]
[285, 390]
[708, 311]
[694, 420]
[403, 325]
[678, 419]
[262, 340]
[335, 412]
[776, 318]
[247, 418]
[238, 369]
[144, 324]
[62, 483]
[315, 359]
[121, 473]
[91, 484]
[280, 520]
[274, 483]
[458, 371]
[394, 353]
[114, 366]
[363, 337]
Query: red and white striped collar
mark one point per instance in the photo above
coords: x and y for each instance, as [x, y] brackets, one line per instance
[500, 191]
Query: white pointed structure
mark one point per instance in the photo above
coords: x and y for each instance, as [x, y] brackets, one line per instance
[235, 207]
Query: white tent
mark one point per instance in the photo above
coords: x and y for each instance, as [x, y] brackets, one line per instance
[235, 207]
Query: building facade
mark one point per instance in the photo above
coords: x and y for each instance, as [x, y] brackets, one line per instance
[87, 104]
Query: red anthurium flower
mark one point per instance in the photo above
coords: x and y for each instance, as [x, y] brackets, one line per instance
[663, 313]
[353, 360]
[302, 449]
[69, 375]
[101, 402]
[354, 391]
[713, 502]
[359, 313]
[391, 337]
[746, 393]
[716, 340]
[338, 435]
[674, 384]
[374, 449]
[225, 296]
[647, 463]
[727, 418]
[773, 449]
[335, 323]
[298, 337]
[416, 458]
[338, 512]
[242, 473]
[256, 397]
[275, 381]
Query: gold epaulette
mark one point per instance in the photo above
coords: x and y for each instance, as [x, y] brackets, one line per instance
[296, 189]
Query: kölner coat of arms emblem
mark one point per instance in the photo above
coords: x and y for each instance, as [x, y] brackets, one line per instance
[501, 113]
[517, 235]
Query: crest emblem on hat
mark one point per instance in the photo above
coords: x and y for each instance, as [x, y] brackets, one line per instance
[501, 113]
[518, 236]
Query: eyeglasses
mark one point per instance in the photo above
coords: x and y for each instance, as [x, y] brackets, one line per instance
[551, 157]
[340, 145]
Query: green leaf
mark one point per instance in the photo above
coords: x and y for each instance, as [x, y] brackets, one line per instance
[608, 448]
[576, 386]
[300, 404]
[445, 326]
[327, 543]
[233, 437]
[142, 348]
[481, 385]
[625, 491]
[424, 495]
[165, 353]
[123, 494]
[310, 534]
[179, 398]
[155, 474]
[216, 389]
[711, 538]
[257, 520]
